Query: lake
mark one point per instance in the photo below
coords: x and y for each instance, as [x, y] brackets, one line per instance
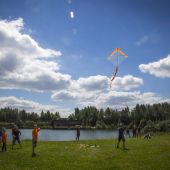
[66, 135]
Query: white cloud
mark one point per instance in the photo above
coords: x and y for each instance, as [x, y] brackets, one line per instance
[99, 82]
[152, 38]
[87, 88]
[122, 99]
[159, 68]
[95, 90]
[143, 40]
[24, 63]
[113, 99]
[77, 96]
[93, 83]
[126, 83]
[31, 106]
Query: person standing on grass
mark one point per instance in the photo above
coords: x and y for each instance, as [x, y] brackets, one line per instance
[77, 132]
[127, 132]
[4, 138]
[139, 132]
[121, 136]
[13, 135]
[16, 136]
[34, 139]
[134, 131]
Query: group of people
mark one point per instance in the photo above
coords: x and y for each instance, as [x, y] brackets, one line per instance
[16, 133]
[136, 132]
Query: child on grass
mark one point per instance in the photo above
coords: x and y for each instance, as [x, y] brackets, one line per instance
[34, 139]
[4, 138]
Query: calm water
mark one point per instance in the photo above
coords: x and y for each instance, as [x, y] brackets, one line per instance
[67, 135]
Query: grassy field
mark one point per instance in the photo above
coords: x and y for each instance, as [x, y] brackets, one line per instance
[143, 154]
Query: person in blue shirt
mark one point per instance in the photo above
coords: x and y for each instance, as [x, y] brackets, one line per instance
[16, 136]
[121, 136]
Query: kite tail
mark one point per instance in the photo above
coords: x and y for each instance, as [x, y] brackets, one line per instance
[114, 75]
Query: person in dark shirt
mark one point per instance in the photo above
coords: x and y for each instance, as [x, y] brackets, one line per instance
[128, 132]
[134, 131]
[121, 136]
[78, 132]
[16, 136]
[139, 132]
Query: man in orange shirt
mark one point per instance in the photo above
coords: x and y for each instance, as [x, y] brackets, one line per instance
[4, 138]
[34, 139]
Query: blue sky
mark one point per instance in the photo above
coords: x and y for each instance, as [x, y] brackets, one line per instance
[52, 61]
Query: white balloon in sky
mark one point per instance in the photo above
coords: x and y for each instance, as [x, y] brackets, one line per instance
[71, 14]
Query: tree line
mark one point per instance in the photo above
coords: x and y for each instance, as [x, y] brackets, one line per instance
[26, 119]
[90, 116]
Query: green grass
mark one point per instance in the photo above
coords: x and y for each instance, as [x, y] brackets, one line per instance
[143, 154]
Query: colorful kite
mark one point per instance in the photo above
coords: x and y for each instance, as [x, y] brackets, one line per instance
[117, 56]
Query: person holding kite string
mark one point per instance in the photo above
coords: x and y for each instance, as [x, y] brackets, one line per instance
[121, 136]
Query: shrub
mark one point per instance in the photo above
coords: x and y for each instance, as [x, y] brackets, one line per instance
[150, 127]
[163, 126]
[142, 123]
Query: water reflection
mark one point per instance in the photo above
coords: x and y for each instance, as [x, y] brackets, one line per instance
[66, 135]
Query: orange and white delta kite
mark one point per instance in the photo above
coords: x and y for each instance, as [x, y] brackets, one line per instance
[117, 56]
